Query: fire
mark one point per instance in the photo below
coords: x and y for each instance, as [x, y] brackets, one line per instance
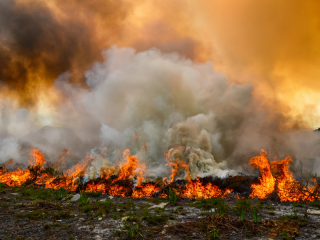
[275, 177]
[290, 189]
[37, 159]
[16, 178]
[118, 190]
[195, 190]
[146, 191]
[267, 181]
[176, 165]
[91, 187]
[131, 168]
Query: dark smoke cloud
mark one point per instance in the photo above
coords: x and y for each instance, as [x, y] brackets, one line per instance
[38, 42]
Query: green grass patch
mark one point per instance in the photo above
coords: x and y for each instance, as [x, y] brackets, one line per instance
[297, 204]
[243, 204]
[133, 218]
[269, 207]
[34, 215]
[94, 194]
[60, 193]
[315, 204]
[217, 203]
[157, 200]
[116, 216]
[158, 210]
[86, 208]
[84, 199]
[293, 217]
[35, 193]
[156, 219]
[62, 214]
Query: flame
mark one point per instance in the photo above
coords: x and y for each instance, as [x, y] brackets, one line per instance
[92, 187]
[196, 190]
[37, 159]
[131, 168]
[16, 178]
[176, 165]
[275, 177]
[146, 191]
[118, 190]
[289, 189]
[267, 181]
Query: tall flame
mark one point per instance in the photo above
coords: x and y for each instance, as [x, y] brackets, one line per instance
[267, 181]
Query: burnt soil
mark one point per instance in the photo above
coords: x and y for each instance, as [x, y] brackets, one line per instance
[29, 213]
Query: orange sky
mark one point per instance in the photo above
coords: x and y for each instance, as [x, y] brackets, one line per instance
[274, 45]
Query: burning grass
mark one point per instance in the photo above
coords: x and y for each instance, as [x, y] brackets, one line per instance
[118, 180]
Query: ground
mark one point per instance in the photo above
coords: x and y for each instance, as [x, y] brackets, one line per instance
[30, 213]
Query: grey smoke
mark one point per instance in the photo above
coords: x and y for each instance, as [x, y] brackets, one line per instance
[153, 103]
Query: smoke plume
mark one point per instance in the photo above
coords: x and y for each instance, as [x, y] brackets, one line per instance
[210, 83]
[154, 103]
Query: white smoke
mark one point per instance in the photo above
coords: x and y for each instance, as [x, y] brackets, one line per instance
[154, 103]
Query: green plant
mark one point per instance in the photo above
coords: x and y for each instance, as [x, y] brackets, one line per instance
[217, 203]
[242, 215]
[34, 193]
[1, 186]
[156, 200]
[215, 233]
[172, 196]
[269, 207]
[59, 194]
[297, 204]
[247, 232]
[133, 231]
[255, 216]
[293, 217]
[284, 235]
[86, 208]
[83, 198]
[94, 194]
[62, 214]
[156, 219]
[34, 215]
[315, 204]
[133, 218]
[243, 204]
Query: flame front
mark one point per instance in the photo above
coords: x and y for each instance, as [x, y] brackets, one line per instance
[274, 177]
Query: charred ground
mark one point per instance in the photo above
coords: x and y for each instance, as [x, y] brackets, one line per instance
[38, 213]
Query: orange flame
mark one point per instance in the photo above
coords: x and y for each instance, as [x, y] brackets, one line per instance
[131, 168]
[146, 191]
[275, 176]
[176, 165]
[37, 159]
[267, 181]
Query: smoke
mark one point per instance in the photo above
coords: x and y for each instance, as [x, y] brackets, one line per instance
[156, 93]
[154, 103]
[40, 40]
